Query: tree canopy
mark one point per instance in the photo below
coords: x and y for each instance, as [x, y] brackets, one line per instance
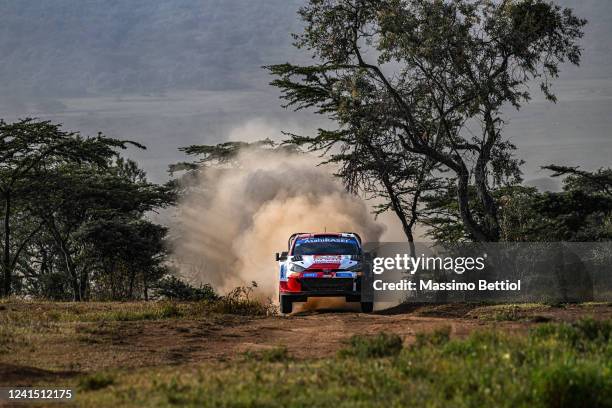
[71, 205]
[424, 83]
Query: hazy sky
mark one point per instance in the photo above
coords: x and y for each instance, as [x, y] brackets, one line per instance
[177, 72]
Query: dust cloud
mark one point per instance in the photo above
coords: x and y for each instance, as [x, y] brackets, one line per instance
[235, 219]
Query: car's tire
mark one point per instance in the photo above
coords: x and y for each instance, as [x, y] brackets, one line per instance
[286, 304]
[367, 307]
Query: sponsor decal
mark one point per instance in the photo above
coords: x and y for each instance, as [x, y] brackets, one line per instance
[326, 240]
[310, 275]
[324, 259]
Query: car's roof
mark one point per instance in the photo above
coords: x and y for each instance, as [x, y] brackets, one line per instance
[327, 234]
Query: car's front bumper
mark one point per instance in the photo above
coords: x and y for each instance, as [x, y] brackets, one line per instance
[342, 284]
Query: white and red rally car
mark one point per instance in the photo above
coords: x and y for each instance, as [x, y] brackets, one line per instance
[323, 265]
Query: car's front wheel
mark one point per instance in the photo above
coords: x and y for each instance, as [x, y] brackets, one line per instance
[367, 307]
[286, 304]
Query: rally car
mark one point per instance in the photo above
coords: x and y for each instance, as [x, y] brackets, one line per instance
[323, 265]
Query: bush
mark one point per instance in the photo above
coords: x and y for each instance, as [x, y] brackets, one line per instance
[436, 338]
[488, 368]
[574, 385]
[380, 345]
[239, 302]
[581, 334]
[171, 287]
[96, 382]
[272, 355]
[169, 309]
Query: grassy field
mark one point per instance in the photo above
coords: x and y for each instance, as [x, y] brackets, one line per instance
[554, 366]
[129, 354]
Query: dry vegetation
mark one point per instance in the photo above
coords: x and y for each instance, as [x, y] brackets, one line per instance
[205, 354]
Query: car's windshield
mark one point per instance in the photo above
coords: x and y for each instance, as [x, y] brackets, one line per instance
[326, 246]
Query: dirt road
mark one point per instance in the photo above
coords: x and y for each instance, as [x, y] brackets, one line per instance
[314, 334]
[57, 351]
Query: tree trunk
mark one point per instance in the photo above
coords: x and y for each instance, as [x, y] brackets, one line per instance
[6, 256]
[491, 221]
[131, 284]
[145, 286]
[464, 208]
[68, 262]
[70, 267]
[111, 273]
[399, 211]
[84, 283]
[395, 201]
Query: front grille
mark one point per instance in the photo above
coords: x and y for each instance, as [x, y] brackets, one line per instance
[327, 284]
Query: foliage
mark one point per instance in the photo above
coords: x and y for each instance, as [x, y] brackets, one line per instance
[376, 346]
[238, 301]
[220, 157]
[271, 355]
[418, 88]
[171, 287]
[74, 215]
[490, 368]
[581, 212]
[438, 337]
[580, 335]
[96, 381]
[220, 154]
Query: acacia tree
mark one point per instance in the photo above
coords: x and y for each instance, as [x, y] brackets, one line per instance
[94, 213]
[435, 76]
[28, 149]
[582, 212]
[127, 253]
[220, 157]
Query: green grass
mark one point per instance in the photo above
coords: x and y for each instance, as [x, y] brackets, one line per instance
[69, 335]
[20, 313]
[271, 355]
[556, 365]
[379, 345]
[437, 338]
[582, 335]
[509, 312]
[96, 381]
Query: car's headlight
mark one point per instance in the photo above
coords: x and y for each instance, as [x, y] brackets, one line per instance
[296, 268]
[357, 267]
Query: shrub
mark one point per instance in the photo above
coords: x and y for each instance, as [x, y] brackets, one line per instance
[436, 338]
[511, 313]
[175, 392]
[96, 381]
[380, 345]
[271, 355]
[239, 302]
[169, 309]
[574, 385]
[170, 287]
[580, 334]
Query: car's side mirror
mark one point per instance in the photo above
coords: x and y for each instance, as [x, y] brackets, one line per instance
[282, 256]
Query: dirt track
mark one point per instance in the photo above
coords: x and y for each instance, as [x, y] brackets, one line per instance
[311, 334]
[315, 334]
